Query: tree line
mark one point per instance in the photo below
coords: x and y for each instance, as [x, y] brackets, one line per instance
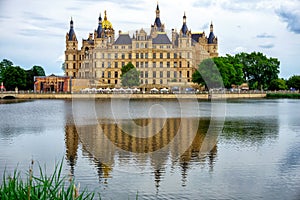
[15, 76]
[255, 69]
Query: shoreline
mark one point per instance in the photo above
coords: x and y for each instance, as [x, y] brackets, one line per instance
[133, 96]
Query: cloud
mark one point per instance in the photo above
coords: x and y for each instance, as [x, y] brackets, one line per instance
[202, 3]
[239, 50]
[265, 35]
[204, 26]
[266, 46]
[291, 17]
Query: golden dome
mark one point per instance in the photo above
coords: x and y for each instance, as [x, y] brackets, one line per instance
[106, 24]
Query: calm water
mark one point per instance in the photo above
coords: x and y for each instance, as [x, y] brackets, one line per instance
[160, 149]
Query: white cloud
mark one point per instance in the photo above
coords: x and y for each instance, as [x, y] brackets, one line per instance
[34, 33]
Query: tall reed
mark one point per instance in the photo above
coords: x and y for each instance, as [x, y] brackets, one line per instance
[53, 187]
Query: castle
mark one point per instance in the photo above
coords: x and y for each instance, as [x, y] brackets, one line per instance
[159, 59]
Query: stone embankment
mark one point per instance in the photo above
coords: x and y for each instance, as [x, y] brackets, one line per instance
[132, 96]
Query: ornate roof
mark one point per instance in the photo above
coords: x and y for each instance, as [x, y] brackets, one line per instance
[71, 31]
[123, 39]
[161, 38]
[106, 24]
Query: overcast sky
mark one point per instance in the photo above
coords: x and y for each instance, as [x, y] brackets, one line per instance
[33, 31]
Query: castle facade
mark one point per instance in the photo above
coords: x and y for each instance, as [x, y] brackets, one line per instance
[160, 58]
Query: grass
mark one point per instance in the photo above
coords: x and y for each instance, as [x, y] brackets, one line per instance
[43, 187]
[284, 95]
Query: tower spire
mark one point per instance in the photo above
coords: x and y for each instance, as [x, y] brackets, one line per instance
[71, 34]
[157, 11]
[211, 27]
[184, 28]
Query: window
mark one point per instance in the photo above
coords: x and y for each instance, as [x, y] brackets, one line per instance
[161, 81]
[123, 56]
[116, 74]
[154, 55]
[102, 74]
[188, 74]
[67, 66]
[175, 64]
[137, 64]
[180, 74]
[180, 64]
[161, 74]
[142, 55]
[142, 74]
[116, 55]
[154, 64]
[108, 74]
[168, 74]
[161, 55]
[161, 64]
[175, 55]
[188, 64]
[154, 74]
[74, 65]
[146, 64]
[123, 64]
[74, 57]
[137, 55]
[146, 75]
[142, 64]
[175, 74]
[116, 64]
[168, 55]
[74, 74]
[102, 64]
[146, 55]
[137, 45]
[129, 56]
[116, 81]
[108, 81]
[108, 55]
[168, 64]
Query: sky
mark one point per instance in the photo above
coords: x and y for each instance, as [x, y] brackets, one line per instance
[33, 32]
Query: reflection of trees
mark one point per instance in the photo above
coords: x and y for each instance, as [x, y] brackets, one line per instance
[250, 130]
[106, 141]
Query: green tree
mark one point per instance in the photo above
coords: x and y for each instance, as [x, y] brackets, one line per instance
[230, 70]
[31, 73]
[208, 75]
[130, 76]
[14, 77]
[258, 70]
[63, 67]
[3, 65]
[278, 84]
[294, 82]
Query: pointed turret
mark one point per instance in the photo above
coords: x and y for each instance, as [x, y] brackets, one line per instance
[157, 21]
[71, 35]
[211, 36]
[184, 28]
[99, 29]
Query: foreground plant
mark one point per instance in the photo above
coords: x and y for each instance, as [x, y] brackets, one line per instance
[42, 187]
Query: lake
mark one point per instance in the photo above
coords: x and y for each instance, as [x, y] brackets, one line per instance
[159, 149]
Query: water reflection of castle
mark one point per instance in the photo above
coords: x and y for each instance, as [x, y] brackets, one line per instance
[108, 142]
